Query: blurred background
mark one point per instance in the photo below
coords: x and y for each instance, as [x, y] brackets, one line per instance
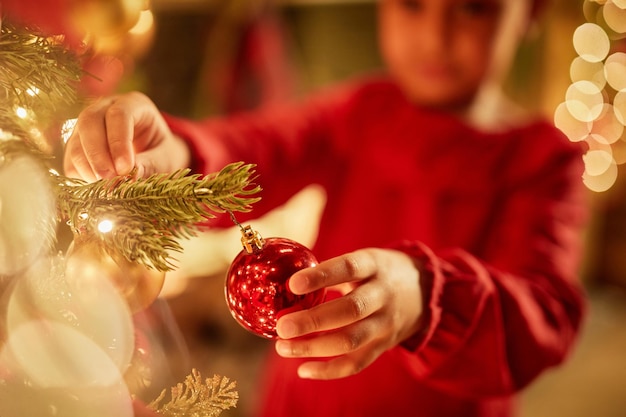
[215, 57]
[198, 58]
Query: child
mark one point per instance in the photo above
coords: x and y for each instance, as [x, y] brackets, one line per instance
[452, 220]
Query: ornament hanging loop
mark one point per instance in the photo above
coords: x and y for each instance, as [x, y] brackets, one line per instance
[251, 240]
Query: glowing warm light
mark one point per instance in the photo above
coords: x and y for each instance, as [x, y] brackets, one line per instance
[615, 16]
[584, 100]
[620, 3]
[615, 70]
[619, 106]
[607, 128]
[590, 10]
[597, 162]
[595, 107]
[5, 135]
[619, 152]
[595, 145]
[105, 226]
[603, 182]
[144, 23]
[581, 70]
[574, 129]
[591, 42]
[67, 129]
[33, 91]
[21, 112]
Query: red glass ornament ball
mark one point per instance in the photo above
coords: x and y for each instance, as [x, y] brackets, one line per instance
[256, 285]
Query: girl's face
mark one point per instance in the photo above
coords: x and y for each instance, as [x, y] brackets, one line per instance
[439, 51]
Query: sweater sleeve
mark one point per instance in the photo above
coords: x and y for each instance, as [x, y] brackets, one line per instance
[292, 146]
[492, 324]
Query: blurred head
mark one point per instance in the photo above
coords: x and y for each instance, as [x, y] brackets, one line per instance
[442, 51]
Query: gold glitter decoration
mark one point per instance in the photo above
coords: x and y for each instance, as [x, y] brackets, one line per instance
[197, 397]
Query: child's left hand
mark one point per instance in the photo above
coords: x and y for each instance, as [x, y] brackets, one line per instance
[381, 310]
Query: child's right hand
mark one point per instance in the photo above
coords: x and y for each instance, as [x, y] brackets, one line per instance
[116, 134]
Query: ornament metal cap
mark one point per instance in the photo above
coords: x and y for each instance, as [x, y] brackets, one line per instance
[251, 239]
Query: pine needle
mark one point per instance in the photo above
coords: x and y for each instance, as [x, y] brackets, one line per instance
[197, 397]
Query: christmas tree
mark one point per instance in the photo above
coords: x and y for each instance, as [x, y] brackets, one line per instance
[68, 344]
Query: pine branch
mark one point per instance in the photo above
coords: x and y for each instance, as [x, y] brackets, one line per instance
[148, 215]
[198, 398]
[38, 80]
[36, 71]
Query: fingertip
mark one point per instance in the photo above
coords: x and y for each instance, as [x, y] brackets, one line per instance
[286, 328]
[299, 284]
[305, 371]
[282, 348]
[123, 166]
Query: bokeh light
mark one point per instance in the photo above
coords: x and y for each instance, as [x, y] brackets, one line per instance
[594, 110]
[581, 70]
[603, 182]
[615, 70]
[619, 106]
[81, 297]
[597, 162]
[574, 129]
[144, 23]
[607, 128]
[619, 152]
[591, 42]
[584, 100]
[615, 16]
[28, 218]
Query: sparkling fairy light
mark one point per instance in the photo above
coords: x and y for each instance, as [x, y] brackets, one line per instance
[67, 129]
[33, 91]
[21, 112]
[144, 23]
[105, 226]
[594, 109]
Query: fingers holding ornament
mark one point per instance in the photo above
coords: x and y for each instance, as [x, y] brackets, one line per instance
[256, 287]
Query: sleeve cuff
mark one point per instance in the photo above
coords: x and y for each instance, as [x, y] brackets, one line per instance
[431, 283]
